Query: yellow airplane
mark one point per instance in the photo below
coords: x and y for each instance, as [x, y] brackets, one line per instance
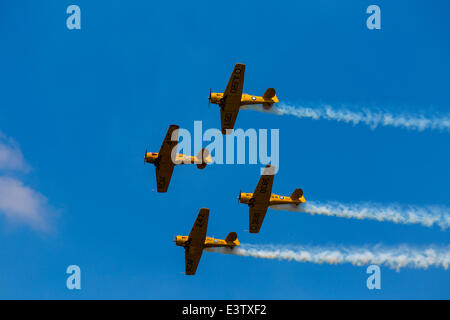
[232, 99]
[166, 159]
[262, 198]
[197, 241]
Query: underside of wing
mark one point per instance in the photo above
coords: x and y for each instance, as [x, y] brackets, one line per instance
[192, 257]
[165, 164]
[170, 142]
[256, 217]
[232, 97]
[163, 175]
[261, 199]
[236, 82]
[228, 116]
[264, 188]
[198, 232]
[193, 251]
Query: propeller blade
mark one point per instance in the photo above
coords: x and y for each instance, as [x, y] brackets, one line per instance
[145, 155]
[209, 99]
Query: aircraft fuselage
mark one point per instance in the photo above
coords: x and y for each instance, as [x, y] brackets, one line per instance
[152, 157]
[274, 199]
[210, 242]
[246, 99]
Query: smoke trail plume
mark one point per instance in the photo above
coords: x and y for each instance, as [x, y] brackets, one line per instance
[427, 216]
[394, 258]
[373, 119]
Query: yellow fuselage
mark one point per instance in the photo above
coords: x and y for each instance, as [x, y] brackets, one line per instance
[274, 199]
[151, 157]
[246, 99]
[209, 242]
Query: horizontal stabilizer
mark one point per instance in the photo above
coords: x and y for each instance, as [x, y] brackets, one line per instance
[203, 156]
[269, 94]
[232, 236]
[297, 194]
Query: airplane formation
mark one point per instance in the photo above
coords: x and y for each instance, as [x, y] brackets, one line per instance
[230, 102]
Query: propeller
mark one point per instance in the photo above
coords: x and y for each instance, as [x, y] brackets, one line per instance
[239, 198]
[145, 155]
[209, 99]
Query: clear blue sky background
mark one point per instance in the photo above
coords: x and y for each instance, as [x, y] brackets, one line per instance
[84, 105]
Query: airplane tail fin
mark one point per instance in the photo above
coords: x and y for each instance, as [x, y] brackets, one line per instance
[270, 95]
[203, 158]
[231, 237]
[297, 194]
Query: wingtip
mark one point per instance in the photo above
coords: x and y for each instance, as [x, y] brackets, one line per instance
[269, 170]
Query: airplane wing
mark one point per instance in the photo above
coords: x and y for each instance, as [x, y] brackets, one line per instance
[262, 194]
[232, 98]
[163, 176]
[165, 167]
[193, 252]
[192, 257]
[168, 144]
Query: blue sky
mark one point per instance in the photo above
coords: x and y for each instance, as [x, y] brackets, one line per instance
[82, 106]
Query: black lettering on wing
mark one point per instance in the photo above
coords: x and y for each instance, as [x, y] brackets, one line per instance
[228, 117]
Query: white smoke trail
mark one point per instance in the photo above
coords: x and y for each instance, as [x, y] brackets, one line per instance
[427, 216]
[395, 258]
[373, 119]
